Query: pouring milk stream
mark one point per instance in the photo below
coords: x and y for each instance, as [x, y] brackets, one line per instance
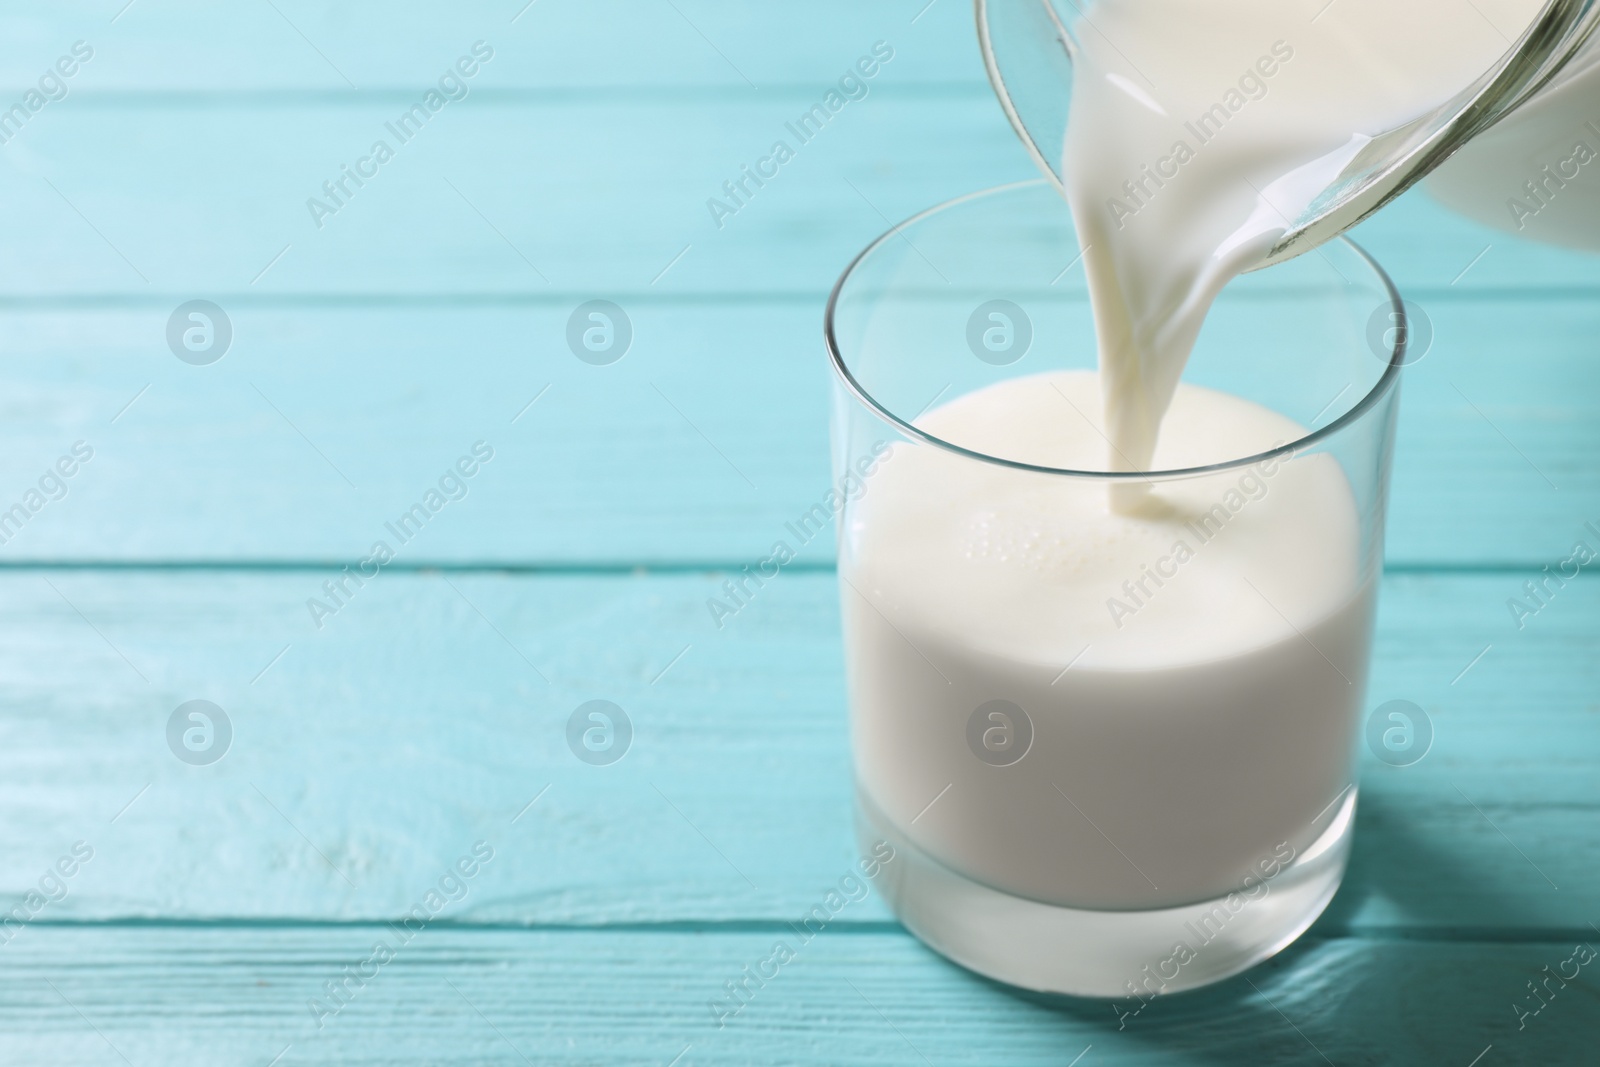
[1198, 130]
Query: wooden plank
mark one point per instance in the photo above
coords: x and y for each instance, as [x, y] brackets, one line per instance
[577, 196]
[1437, 256]
[375, 750]
[234, 995]
[591, 196]
[608, 44]
[324, 422]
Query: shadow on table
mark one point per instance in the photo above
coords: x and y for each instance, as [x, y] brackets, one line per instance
[1406, 993]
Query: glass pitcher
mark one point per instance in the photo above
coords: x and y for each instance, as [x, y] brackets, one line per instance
[1528, 106]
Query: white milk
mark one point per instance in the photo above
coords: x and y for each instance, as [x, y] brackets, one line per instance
[1536, 173]
[1209, 712]
[1198, 128]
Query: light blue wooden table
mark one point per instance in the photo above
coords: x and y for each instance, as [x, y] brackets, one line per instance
[425, 717]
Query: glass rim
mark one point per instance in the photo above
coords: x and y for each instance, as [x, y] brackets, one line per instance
[1385, 383]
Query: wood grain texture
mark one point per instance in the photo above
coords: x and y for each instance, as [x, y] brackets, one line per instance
[433, 307]
[300, 46]
[581, 196]
[850, 996]
[324, 422]
[429, 711]
[593, 138]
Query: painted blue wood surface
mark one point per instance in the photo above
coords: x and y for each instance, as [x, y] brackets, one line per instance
[424, 716]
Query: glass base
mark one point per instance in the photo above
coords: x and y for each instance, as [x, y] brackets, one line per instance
[1054, 949]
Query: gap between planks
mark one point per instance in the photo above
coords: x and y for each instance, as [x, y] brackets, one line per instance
[1455, 935]
[597, 567]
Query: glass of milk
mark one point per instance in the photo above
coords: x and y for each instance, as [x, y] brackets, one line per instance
[1113, 746]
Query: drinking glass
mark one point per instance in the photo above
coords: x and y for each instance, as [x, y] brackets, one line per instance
[1151, 813]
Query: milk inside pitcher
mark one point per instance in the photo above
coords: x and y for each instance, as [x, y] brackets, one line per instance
[1511, 147]
[1536, 172]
